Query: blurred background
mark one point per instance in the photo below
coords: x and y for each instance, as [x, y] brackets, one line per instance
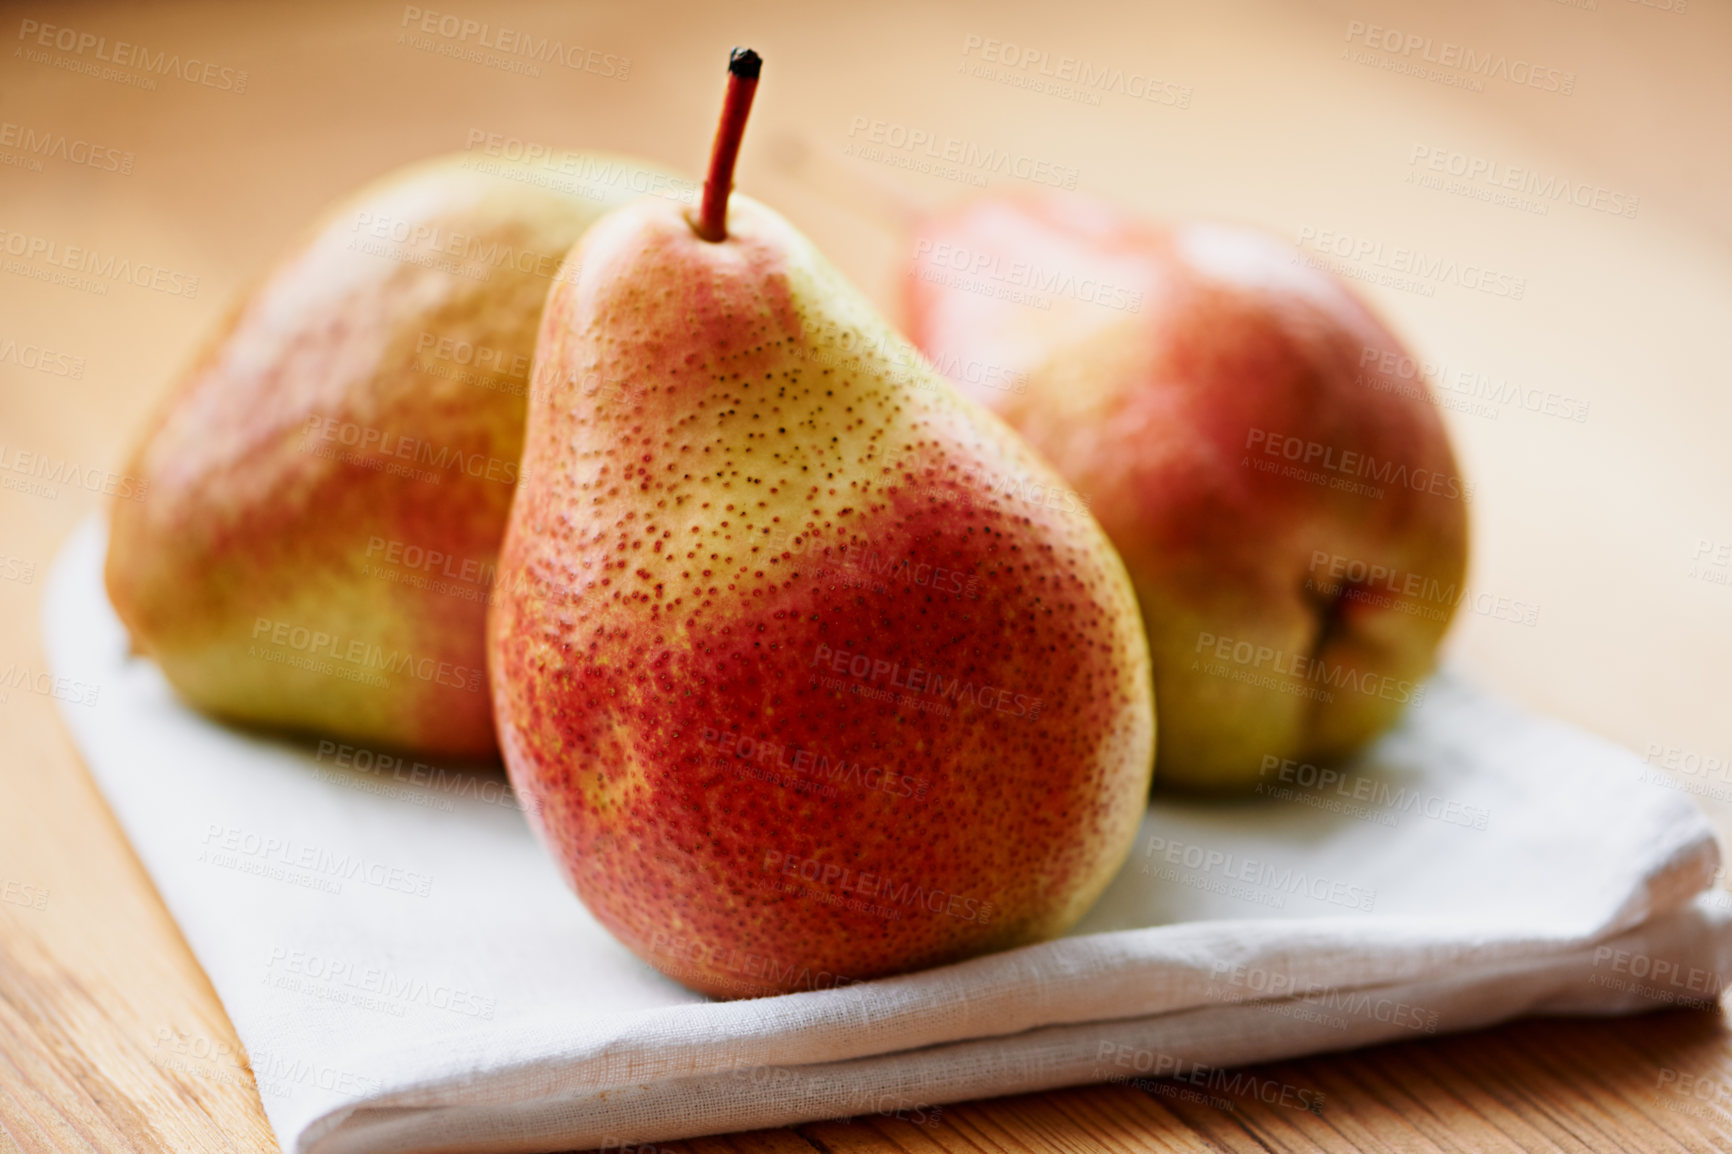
[1598, 433]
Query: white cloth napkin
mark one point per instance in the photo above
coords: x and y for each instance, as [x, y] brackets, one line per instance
[408, 972]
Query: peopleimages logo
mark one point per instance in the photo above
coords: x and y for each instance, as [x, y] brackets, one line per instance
[868, 672]
[1357, 788]
[1078, 79]
[59, 146]
[1387, 370]
[1350, 463]
[41, 475]
[417, 559]
[509, 43]
[1426, 270]
[871, 564]
[1171, 1068]
[810, 765]
[692, 956]
[1302, 668]
[588, 173]
[15, 893]
[1664, 980]
[1260, 984]
[436, 784]
[483, 358]
[471, 256]
[364, 655]
[877, 888]
[1266, 875]
[1447, 54]
[31, 249]
[1711, 561]
[126, 55]
[61, 688]
[41, 360]
[325, 868]
[875, 135]
[1496, 174]
[1416, 594]
[375, 445]
[373, 987]
[17, 569]
[1021, 274]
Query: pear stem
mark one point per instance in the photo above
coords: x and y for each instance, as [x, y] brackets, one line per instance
[743, 67]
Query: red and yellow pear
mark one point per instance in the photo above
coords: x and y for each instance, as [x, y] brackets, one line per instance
[800, 679]
[325, 492]
[1289, 509]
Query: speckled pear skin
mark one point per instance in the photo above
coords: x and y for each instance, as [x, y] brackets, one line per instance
[813, 671]
[1293, 518]
[326, 489]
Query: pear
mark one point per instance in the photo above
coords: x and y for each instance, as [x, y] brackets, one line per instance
[1255, 441]
[808, 669]
[325, 491]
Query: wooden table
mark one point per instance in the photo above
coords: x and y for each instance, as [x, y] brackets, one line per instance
[1299, 117]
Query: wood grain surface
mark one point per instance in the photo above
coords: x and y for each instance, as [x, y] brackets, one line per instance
[1616, 527]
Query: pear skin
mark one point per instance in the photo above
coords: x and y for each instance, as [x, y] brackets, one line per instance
[1286, 501]
[326, 489]
[808, 669]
